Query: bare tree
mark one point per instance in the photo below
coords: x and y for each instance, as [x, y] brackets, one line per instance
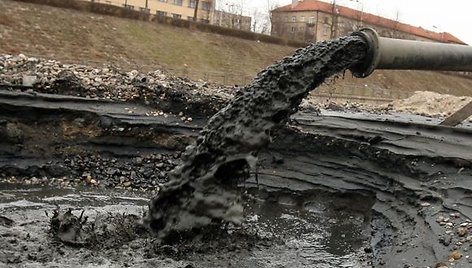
[255, 20]
[259, 21]
[271, 5]
[195, 13]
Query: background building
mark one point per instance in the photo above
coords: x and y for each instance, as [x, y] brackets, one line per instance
[230, 20]
[178, 9]
[185, 9]
[313, 20]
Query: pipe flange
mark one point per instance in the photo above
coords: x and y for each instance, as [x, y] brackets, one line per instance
[371, 60]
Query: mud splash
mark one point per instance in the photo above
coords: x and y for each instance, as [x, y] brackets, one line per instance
[202, 191]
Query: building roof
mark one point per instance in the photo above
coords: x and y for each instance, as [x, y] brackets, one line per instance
[315, 5]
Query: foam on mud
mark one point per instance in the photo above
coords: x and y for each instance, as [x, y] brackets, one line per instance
[202, 190]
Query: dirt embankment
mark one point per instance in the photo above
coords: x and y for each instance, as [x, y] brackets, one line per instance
[77, 37]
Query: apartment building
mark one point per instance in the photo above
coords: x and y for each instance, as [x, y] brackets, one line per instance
[313, 21]
[185, 9]
[177, 9]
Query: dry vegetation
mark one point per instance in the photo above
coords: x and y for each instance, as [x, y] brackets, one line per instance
[73, 36]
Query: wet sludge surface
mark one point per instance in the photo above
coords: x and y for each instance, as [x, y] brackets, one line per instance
[280, 229]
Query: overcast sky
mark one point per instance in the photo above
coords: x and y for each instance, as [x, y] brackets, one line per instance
[453, 16]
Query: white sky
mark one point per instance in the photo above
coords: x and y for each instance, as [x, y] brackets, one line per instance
[453, 16]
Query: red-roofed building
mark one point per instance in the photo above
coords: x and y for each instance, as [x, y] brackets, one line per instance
[313, 20]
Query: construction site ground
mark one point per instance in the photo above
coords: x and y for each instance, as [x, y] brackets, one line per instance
[92, 119]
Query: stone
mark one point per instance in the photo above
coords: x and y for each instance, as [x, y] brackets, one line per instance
[445, 240]
[462, 231]
[455, 255]
[88, 179]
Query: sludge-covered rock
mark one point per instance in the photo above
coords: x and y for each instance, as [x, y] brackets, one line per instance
[67, 228]
[104, 232]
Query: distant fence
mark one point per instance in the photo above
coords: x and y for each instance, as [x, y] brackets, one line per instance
[122, 12]
[222, 77]
[360, 93]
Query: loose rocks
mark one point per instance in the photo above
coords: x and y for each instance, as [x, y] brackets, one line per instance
[166, 92]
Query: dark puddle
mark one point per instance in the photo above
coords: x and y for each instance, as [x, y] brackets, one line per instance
[319, 227]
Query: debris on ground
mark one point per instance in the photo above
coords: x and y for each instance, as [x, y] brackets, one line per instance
[428, 103]
[67, 227]
[107, 82]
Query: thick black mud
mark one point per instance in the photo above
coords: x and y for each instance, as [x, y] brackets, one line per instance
[401, 187]
[201, 191]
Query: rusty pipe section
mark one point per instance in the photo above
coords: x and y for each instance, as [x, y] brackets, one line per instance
[399, 54]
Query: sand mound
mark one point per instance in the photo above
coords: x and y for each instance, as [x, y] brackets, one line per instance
[430, 104]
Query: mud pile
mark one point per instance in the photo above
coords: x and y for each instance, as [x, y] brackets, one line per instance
[201, 191]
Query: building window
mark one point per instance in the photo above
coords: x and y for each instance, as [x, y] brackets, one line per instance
[192, 3]
[177, 2]
[326, 20]
[294, 19]
[161, 14]
[164, 1]
[294, 29]
[176, 16]
[206, 5]
[302, 18]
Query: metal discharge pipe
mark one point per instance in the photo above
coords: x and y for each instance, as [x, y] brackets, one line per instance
[389, 53]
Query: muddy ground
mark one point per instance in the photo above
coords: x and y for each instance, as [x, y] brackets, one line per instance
[334, 189]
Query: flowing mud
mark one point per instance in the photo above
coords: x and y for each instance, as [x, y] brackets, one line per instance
[201, 191]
